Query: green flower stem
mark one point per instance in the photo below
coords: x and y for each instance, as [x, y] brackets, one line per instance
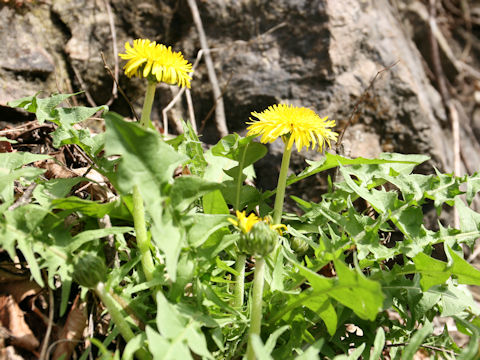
[240, 280]
[118, 318]
[147, 105]
[257, 299]
[141, 232]
[282, 183]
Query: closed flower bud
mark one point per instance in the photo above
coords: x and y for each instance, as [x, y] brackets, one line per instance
[299, 245]
[260, 240]
[89, 270]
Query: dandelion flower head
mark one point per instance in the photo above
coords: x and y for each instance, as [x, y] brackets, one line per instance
[245, 223]
[296, 125]
[156, 62]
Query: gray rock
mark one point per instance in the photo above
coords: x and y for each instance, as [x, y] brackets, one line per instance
[317, 53]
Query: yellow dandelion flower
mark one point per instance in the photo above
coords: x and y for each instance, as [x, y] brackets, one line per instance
[157, 62]
[297, 125]
[244, 222]
[277, 227]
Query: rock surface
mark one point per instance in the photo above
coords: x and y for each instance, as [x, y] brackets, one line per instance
[316, 53]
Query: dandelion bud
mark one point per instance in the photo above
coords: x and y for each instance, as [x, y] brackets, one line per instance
[260, 240]
[299, 245]
[89, 270]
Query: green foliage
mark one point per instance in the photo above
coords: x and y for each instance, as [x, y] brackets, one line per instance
[363, 256]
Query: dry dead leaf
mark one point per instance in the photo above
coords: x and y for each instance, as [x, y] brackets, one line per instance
[73, 330]
[11, 317]
[20, 289]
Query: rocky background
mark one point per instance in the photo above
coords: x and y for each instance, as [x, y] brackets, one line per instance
[321, 54]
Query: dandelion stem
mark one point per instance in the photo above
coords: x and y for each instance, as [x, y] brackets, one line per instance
[282, 183]
[240, 280]
[141, 232]
[257, 299]
[147, 105]
[118, 319]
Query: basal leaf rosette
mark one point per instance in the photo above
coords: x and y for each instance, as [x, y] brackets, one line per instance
[296, 125]
[156, 62]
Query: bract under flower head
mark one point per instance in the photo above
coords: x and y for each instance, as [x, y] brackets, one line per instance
[157, 62]
[297, 125]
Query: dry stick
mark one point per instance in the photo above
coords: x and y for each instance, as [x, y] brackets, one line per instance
[195, 65]
[119, 88]
[115, 52]
[220, 109]
[83, 86]
[224, 90]
[360, 101]
[43, 352]
[180, 93]
[429, 347]
[447, 103]
[25, 198]
[191, 113]
[468, 24]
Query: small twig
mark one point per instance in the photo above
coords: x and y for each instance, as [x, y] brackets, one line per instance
[429, 347]
[109, 248]
[172, 103]
[224, 90]
[83, 86]
[115, 52]
[195, 65]
[46, 339]
[468, 24]
[25, 198]
[119, 88]
[360, 101]
[220, 108]
[191, 112]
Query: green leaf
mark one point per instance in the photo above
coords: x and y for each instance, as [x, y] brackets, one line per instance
[351, 289]
[76, 114]
[463, 271]
[416, 341]
[469, 219]
[7, 181]
[187, 189]
[261, 352]
[18, 229]
[52, 189]
[115, 209]
[96, 234]
[378, 344]
[245, 152]
[14, 160]
[147, 161]
[473, 187]
[44, 109]
[169, 322]
[312, 352]
[214, 203]
[434, 272]
[470, 351]
[203, 226]
[400, 163]
[179, 329]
